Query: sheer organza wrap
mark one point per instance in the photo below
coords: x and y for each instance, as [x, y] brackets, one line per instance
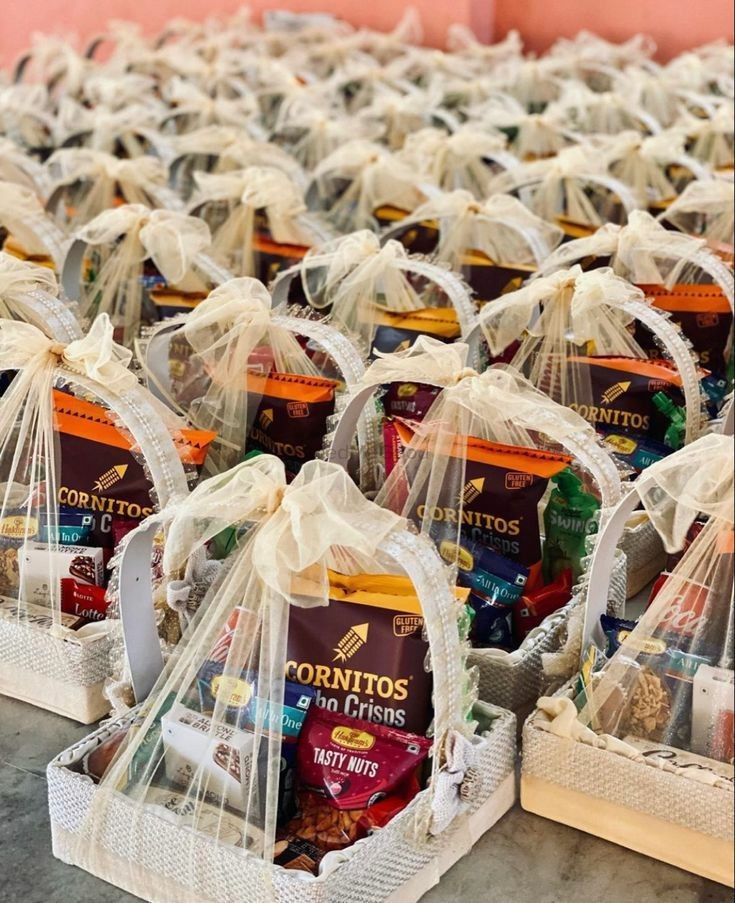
[656, 168]
[705, 209]
[199, 363]
[558, 317]
[86, 182]
[500, 227]
[235, 197]
[354, 279]
[497, 406]
[16, 166]
[319, 523]
[669, 682]
[358, 178]
[17, 280]
[573, 185]
[646, 253]
[123, 239]
[29, 450]
[23, 217]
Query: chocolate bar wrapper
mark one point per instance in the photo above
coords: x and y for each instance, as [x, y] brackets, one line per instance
[82, 563]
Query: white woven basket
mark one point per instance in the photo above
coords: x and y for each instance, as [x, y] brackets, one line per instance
[515, 680]
[510, 680]
[633, 803]
[65, 674]
[389, 865]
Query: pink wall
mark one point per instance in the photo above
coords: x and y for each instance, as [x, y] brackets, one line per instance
[87, 17]
[675, 24]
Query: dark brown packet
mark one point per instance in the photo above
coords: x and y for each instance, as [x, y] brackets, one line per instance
[288, 415]
[621, 394]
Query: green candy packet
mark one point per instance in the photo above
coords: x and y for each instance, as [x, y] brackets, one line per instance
[569, 518]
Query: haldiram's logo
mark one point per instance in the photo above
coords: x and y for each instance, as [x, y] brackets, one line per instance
[349, 738]
[615, 391]
[349, 644]
[266, 418]
[472, 490]
[110, 477]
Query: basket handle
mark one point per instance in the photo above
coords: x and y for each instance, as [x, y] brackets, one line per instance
[71, 271]
[448, 282]
[603, 558]
[137, 614]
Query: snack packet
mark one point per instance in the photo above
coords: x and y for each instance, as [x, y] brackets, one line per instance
[569, 518]
[100, 475]
[364, 652]
[353, 776]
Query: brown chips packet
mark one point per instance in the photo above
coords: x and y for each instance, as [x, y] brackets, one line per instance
[705, 317]
[99, 471]
[289, 416]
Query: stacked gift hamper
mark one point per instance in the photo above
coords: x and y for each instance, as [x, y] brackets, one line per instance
[333, 370]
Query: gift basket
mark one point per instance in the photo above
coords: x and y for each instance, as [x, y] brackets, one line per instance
[261, 381]
[572, 190]
[86, 182]
[496, 244]
[705, 209]
[468, 458]
[258, 219]
[221, 149]
[139, 265]
[245, 775]
[571, 339]
[31, 293]
[18, 166]
[656, 168]
[380, 296]
[638, 748]
[466, 159]
[361, 185]
[683, 278]
[84, 455]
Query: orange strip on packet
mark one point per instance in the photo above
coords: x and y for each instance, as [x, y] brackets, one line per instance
[86, 420]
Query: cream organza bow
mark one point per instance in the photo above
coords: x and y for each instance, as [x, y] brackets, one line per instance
[588, 296]
[647, 252]
[500, 226]
[18, 278]
[502, 395]
[698, 479]
[82, 164]
[322, 514]
[96, 356]
[171, 240]
[248, 492]
[227, 326]
[257, 187]
[426, 361]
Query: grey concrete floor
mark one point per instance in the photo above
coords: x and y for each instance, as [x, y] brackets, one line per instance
[524, 859]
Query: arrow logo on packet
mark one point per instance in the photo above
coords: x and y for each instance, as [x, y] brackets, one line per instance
[110, 477]
[349, 644]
